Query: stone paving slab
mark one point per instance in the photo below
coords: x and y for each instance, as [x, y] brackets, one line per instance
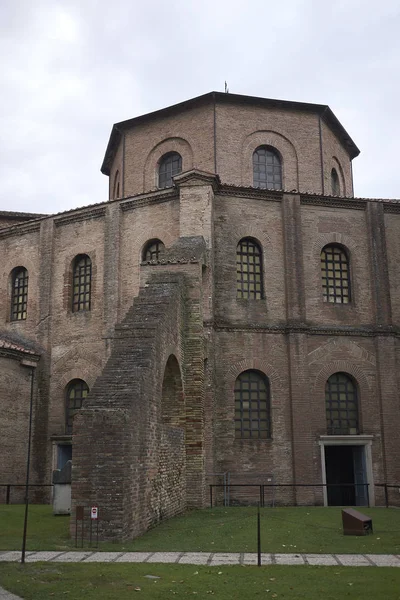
[73, 556]
[353, 560]
[203, 558]
[384, 560]
[37, 556]
[164, 557]
[321, 559]
[14, 555]
[289, 559]
[252, 558]
[225, 559]
[103, 557]
[136, 557]
[195, 558]
[4, 595]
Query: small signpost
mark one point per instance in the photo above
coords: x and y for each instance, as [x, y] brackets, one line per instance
[80, 517]
[94, 516]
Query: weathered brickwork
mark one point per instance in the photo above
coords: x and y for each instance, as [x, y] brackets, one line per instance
[165, 340]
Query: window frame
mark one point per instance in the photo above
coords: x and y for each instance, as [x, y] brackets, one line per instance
[340, 429]
[158, 252]
[116, 185]
[335, 182]
[254, 412]
[338, 282]
[241, 272]
[19, 299]
[70, 412]
[79, 303]
[165, 180]
[257, 165]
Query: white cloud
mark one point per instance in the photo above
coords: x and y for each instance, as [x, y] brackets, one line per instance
[72, 69]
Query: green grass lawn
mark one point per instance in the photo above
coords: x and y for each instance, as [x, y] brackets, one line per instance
[302, 529]
[110, 581]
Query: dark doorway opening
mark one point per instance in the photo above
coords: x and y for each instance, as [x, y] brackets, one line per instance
[345, 476]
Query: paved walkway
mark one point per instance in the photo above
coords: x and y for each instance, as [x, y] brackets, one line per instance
[207, 558]
[202, 558]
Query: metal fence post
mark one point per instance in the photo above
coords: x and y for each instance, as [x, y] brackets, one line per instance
[258, 537]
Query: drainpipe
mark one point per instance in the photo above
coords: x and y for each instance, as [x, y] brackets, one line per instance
[28, 462]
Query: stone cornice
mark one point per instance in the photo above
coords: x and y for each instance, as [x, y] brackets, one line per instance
[286, 329]
[156, 197]
[88, 213]
[250, 192]
[333, 201]
[20, 229]
[175, 261]
[19, 355]
[391, 207]
[197, 177]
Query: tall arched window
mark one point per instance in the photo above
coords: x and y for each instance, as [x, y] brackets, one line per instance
[252, 406]
[116, 185]
[335, 185]
[267, 168]
[82, 282]
[249, 278]
[19, 293]
[77, 390]
[153, 250]
[341, 405]
[335, 273]
[170, 165]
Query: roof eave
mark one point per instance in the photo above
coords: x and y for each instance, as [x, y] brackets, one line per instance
[322, 110]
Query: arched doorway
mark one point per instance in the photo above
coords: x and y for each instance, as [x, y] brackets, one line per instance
[172, 398]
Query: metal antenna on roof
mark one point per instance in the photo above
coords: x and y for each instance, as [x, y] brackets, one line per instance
[226, 88]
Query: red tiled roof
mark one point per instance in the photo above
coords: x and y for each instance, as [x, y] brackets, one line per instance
[13, 346]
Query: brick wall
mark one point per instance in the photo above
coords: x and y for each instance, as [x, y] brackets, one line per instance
[222, 138]
[185, 306]
[138, 440]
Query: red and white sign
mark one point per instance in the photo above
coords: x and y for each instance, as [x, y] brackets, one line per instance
[94, 513]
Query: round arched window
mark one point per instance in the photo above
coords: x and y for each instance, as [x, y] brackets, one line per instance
[267, 168]
[252, 406]
[77, 390]
[170, 165]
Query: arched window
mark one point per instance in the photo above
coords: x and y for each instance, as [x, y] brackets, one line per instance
[252, 406]
[153, 250]
[19, 294]
[82, 281]
[170, 165]
[249, 279]
[267, 169]
[335, 272]
[341, 405]
[116, 185]
[335, 185]
[77, 390]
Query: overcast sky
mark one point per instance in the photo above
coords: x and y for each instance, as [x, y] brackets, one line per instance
[71, 69]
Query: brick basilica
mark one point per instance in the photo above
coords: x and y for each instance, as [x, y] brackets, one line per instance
[232, 308]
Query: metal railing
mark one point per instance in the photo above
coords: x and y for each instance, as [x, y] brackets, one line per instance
[9, 486]
[387, 487]
[261, 487]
